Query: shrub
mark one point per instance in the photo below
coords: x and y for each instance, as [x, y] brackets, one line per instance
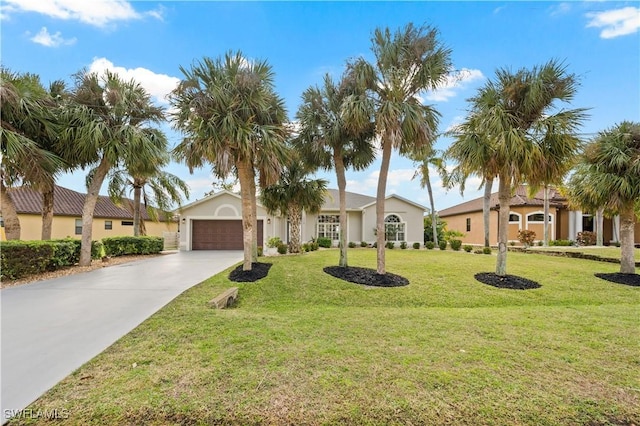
[478, 251]
[119, 246]
[274, 242]
[512, 243]
[352, 244]
[282, 248]
[442, 244]
[364, 244]
[526, 237]
[467, 248]
[306, 247]
[313, 245]
[260, 251]
[416, 246]
[455, 244]
[403, 245]
[430, 245]
[486, 250]
[561, 243]
[586, 238]
[324, 242]
[375, 245]
[390, 245]
[540, 243]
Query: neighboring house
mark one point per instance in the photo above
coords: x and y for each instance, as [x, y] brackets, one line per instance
[109, 220]
[215, 222]
[528, 213]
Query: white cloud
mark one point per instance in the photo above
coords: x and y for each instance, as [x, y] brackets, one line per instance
[99, 13]
[616, 22]
[158, 85]
[455, 81]
[560, 9]
[51, 40]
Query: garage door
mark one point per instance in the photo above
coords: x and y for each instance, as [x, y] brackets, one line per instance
[219, 234]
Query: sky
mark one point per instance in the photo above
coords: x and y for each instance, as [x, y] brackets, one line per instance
[150, 41]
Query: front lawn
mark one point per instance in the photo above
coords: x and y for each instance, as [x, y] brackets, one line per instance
[302, 347]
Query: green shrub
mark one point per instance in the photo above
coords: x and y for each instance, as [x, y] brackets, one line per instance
[455, 244]
[313, 245]
[403, 245]
[260, 251]
[478, 251]
[352, 244]
[324, 242]
[390, 245]
[586, 238]
[120, 246]
[442, 244]
[561, 243]
[540, 243]
[274, 242]
[512, 243]
[467, 248]
[282, 248]
[374, 245]
[305, 247]
[364, 244]
[430, 245]
[416, 246]
[486, 250]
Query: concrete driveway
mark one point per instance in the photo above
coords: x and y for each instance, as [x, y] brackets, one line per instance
[52, 327]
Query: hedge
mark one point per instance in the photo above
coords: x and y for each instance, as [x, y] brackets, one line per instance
[119, 246]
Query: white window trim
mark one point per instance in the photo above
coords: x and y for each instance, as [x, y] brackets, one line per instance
[403, 223]
[318, 223]
[513, 222]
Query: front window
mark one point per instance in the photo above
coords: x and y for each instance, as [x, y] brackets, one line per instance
[514, 218]
[587, 223]
[394, 228]
[78, 226]
[537, 217]
[468, 224]
[329, 226]
[108, 225]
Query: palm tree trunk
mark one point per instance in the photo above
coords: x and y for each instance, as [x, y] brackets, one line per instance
[245, 177]
[545, 238]
[600, 227]
[504, 195]
[342, 185]
[380, 198]
[9, 215]
[88, 208]
[47, 208]
[295, 218]
[434, 216]
[627, 225]
[137, 192]
[486, 210]
[254, 214]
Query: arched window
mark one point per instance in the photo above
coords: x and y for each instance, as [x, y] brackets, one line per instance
[515, 218]
[394, 228]
[538, 217]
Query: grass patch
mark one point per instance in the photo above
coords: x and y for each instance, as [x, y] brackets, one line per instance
[302, 347]
[609, 252]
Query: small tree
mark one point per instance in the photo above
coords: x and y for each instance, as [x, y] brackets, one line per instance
[526, 237]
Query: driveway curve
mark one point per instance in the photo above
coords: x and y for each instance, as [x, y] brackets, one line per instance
[52, 327]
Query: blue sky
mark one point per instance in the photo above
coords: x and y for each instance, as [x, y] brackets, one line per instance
[150, 40]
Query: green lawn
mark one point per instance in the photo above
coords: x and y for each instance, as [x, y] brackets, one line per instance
[611, 251]
[302, 347]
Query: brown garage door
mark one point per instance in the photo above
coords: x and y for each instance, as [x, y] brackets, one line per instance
[219, 234]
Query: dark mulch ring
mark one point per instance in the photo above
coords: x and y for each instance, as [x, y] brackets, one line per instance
[619, 278]
[258, 271]
[508, 281]
[366, 276]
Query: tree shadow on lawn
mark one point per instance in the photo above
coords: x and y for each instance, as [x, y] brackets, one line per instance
[366, 276]
[511, 282]
[258, 271]
[632, 280]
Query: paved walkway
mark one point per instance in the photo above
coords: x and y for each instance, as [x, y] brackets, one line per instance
[52, 327]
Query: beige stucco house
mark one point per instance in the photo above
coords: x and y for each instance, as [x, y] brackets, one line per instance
[528, 213]
[215, 222]
[109, 220]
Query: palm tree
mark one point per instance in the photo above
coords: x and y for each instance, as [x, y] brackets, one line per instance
[25, 118]
[326, 141]
[608, 176]
[292, 195]
[109, 124]
[431, 158]
[514, 115]
[407, 63]
[233, 120]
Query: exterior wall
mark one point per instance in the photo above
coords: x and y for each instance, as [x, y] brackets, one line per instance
[476, 235]
[354, 226]
[412, 216]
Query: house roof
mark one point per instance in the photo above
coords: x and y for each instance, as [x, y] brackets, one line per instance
[519, 198]
[67, 202]
[353, 201]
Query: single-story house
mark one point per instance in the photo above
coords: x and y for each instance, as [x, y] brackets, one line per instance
[527, 213]
[215, 222]
[109, 220]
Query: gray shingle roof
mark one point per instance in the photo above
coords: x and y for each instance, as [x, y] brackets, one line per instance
[353, 201]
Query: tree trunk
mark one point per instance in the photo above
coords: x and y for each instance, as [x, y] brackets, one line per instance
[486, 210]
[295, 218]
[254, 214]
[434, 216]
[9, 215]
[342, 185]
[504, 195]
[88, 208]
[47, 209]
[137, 194]
[380, 199]
[545, 238]
[600, 227]
[244, 177]
[627, 225]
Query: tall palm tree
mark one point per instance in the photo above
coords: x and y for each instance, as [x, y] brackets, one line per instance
[292, 195]
[233, 120]
[109, 124]
[431, 158]
[514, 114]
[407, 63]
[25, 117]
[608, 176]
[326, 141]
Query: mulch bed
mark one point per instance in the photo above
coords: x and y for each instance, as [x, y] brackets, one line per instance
[258, 271]
[511, 282]
[366, 276]
[627, 279]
